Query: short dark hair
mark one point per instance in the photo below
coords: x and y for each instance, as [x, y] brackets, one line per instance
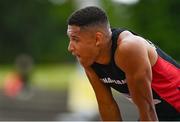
[88, 16]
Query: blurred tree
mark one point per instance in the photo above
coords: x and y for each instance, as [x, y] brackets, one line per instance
[158, 20]
[36, 27]
[119, 14]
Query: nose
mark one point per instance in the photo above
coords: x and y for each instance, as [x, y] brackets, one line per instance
[70, 46]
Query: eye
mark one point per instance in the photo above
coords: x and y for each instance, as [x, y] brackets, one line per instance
[75, 39]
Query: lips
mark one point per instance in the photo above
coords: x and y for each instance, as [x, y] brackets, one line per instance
[76, 55]
[73, 54]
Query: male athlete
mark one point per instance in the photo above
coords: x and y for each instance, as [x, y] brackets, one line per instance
[120, 59]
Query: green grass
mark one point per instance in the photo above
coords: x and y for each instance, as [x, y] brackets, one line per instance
[54, 76]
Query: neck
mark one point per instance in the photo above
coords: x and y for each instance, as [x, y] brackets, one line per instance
[105, 54]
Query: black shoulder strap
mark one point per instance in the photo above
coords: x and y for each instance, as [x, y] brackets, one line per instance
[116, 32]
[115, 35]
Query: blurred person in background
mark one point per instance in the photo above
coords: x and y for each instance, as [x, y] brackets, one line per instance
[125, 61]
[17, 81]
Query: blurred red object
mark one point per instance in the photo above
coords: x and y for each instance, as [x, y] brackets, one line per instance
[13, 84]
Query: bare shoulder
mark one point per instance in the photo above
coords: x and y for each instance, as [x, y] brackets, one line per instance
[126, 38]
[132, 51]
[130, 44]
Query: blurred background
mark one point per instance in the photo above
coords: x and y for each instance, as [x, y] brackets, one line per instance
[40, 80]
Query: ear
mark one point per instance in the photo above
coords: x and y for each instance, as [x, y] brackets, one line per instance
[99, 38]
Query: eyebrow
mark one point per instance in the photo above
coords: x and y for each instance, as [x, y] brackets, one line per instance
[68, 34]
[75, 37]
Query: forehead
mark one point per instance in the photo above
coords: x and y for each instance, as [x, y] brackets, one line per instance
[73, 30]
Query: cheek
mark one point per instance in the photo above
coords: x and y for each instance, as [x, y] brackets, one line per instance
[91, 52]
[87, 50]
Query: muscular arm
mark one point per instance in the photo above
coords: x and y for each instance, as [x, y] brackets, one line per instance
[132, 57]
[108, 108]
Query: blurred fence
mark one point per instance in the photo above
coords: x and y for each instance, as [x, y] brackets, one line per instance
[41, 105]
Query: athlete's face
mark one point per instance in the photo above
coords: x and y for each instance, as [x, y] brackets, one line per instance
[82, 44]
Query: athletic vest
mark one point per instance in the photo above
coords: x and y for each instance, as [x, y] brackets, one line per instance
[165, 82]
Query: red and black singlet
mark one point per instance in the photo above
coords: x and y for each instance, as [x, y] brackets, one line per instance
[165, 81]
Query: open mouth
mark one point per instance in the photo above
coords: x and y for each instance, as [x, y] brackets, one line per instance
[78, 56]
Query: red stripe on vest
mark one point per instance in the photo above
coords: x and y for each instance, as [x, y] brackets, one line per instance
[166, 82]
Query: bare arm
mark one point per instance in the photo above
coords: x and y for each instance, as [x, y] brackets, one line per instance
[108, 107]
[132, 57]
